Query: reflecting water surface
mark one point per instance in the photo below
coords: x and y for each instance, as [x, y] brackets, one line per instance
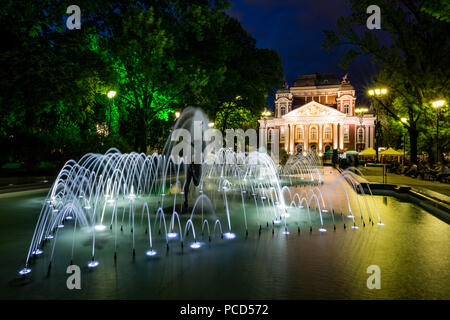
[412, 250]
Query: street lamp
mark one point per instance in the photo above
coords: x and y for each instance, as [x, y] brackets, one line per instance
[377, 92]
[437, 104]
[177, 114]
[211, 125]
[111, 94]
[266, 113]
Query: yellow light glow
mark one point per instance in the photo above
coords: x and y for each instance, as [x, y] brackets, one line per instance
[371, 92]
[177, 114]
[404, 120]
[438, 103]
[377, 91]
[111, 94]
[383, 91]
[211, 124]
[266, 113]
[361, 110]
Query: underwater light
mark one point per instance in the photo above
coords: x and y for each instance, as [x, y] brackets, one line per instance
[110, 200]
[151, 253]
[350, 216]
[285, 215]
[380, 223]
[60, 226]
[324, 210]
[172, 235]
[24, 271]
[132, 196]
[55, 210]
[87, 207]
[229, 235]
[93, 264]
[322, 230]
[300, 207]
[195, 245]
[354, 227]
[286, 232]
[69, 218]
[37, 252]
[49, 237]
[100, 227]
[277, 221]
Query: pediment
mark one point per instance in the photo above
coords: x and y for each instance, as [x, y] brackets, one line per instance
[313, 109]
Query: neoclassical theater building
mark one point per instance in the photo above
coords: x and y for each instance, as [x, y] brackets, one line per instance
[317, 114]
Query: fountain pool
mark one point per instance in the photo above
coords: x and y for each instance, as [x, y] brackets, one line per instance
[412, 250]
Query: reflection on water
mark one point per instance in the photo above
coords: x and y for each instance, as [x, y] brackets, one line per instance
[412, 249]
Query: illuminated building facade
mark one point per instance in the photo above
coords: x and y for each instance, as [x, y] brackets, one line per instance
[317, 114]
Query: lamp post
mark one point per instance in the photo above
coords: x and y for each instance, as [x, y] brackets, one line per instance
[405, 121]
[361, 111]
[437, 104]
[111, 94]
[377, 92]
[266, 113]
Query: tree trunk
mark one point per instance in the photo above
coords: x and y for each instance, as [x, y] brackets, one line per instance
[143, 135]
[413, 135]
[224, 123]
[142, 132]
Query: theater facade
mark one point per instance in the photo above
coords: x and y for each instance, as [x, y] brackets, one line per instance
[317, 114]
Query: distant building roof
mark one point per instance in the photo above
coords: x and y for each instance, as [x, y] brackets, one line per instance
[316, 79]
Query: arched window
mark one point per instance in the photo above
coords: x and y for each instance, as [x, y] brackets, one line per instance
[313, 133]
[360, 135]
[346, 108]
[327, 133]
[300, 133]
[283, 110]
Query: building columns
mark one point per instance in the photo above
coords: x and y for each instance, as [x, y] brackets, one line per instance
[341, 136]
[320, 148]
[306, 138]
[262, 137]
[286, 137]
[335, 136]
[291, 138]
[366, 134]
[372, 136]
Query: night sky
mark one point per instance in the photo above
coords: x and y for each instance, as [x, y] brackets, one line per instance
[294, 29]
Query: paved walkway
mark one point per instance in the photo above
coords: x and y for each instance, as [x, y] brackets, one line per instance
[433, 188]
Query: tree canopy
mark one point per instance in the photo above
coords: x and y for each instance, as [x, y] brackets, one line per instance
[412, 50]
[159, 56]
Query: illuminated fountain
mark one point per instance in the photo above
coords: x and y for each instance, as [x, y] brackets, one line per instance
[114, 193]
